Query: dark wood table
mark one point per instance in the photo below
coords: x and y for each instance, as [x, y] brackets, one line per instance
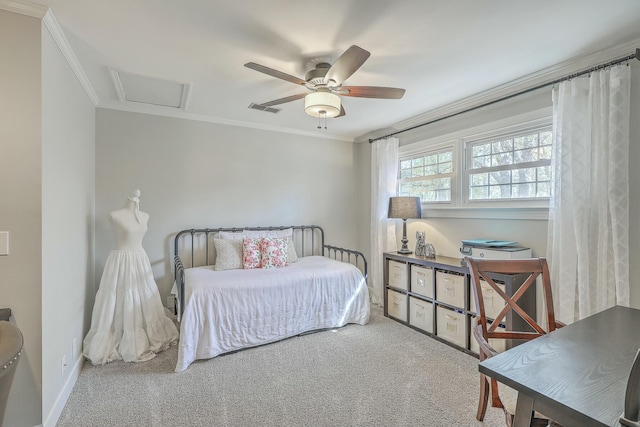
[576, 375]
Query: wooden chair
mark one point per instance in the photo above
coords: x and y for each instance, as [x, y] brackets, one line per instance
[486, 329]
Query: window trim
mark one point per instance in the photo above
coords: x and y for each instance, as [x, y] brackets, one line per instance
[433, 149]
[531, 126]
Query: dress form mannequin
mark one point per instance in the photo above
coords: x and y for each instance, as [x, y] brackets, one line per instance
[130, 224]
[128, 320]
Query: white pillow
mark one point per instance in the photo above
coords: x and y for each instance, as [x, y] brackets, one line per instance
[230, 235]
[228, 254]
[287, 232]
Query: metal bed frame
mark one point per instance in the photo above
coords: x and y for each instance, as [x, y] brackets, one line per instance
[308, 240]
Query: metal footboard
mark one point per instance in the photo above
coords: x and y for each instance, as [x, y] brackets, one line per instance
[179, 278]
[348, 255]
[195, 248]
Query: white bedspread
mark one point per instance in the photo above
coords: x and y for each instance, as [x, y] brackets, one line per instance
[235, 309]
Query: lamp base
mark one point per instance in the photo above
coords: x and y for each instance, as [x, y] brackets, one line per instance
[404, 250]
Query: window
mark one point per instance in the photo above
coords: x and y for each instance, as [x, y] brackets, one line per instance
[499, 169]
[428, 176]
[515, 166]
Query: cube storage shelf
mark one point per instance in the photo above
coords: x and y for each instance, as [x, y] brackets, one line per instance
[434, 296]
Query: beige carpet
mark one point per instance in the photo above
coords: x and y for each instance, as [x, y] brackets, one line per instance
[381, 374]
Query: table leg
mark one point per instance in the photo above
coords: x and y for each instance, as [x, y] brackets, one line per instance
[524, 411]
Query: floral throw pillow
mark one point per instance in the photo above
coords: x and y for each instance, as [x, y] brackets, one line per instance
[274, 252]
[292, 256]
[251, 256]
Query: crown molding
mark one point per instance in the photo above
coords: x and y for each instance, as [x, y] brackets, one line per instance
[24, 8]
[186, 93]
[545, 76]
[51, 23]
[61, 41]
[132, 107]
[117, 84]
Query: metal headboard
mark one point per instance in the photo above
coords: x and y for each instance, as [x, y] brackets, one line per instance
[308, 240]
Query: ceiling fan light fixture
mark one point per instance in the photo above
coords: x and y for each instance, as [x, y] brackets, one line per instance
[322, 104]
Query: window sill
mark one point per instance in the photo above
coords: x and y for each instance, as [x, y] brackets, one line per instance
[522, 213]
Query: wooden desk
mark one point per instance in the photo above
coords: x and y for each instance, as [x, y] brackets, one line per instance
[575, 375]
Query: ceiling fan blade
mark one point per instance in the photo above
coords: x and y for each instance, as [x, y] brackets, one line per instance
[346, 65]
[342, 112]
[275, 73]
[372, 92]
[283, 100]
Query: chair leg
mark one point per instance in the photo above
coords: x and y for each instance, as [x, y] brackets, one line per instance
[484, 397]
[495, 399]
[508, 418]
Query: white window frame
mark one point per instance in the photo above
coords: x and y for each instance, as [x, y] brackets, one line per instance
[460, 206]
[433, 149]
[531, 126]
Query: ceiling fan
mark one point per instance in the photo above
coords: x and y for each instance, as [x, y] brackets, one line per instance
[325, 85]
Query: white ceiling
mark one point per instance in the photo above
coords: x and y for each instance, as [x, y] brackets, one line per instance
[439, 51]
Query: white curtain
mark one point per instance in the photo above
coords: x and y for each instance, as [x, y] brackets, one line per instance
[384, 173]
[588, 245]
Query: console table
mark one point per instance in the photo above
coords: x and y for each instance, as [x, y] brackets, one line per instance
[434, 296]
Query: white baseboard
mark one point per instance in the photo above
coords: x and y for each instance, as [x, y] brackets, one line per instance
[52, 417]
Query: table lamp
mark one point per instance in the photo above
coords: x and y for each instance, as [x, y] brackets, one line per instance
[404, 208]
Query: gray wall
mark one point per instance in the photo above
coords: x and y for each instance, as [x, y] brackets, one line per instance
[20, 205]
[196, 174]
[68, 188]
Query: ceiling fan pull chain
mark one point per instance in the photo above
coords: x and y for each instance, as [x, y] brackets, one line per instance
[323, 114]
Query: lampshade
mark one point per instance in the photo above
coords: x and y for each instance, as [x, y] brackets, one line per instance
[405, 207]
[322, 104]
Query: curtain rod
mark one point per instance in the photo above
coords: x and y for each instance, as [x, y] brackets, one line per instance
[486, 104]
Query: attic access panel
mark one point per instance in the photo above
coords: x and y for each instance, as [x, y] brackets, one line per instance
[150, 90]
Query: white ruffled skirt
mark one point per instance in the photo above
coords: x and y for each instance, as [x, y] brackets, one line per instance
[128, 321]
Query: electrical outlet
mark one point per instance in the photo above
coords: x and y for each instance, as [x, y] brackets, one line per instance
[4, 243]
[63, 365]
